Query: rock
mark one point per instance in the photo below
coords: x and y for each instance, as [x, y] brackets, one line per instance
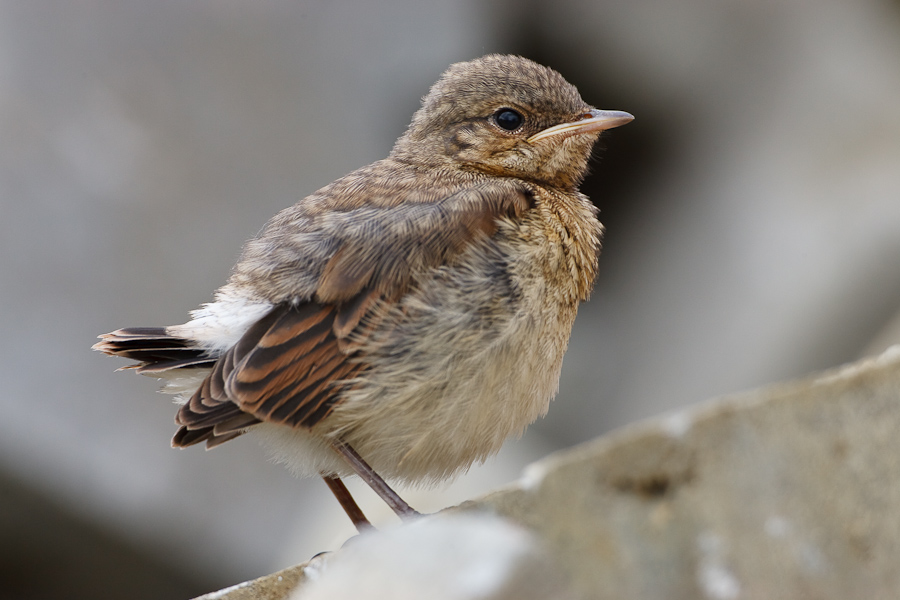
[442, 557]
[792, 491]
[276, 586]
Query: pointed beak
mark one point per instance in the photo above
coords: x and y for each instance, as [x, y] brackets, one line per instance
[589, 122]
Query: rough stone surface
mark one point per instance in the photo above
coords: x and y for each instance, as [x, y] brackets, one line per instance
[792, 491]
[276, 586]
[449, 556]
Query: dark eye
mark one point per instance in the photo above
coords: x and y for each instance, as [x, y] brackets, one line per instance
[508, 119]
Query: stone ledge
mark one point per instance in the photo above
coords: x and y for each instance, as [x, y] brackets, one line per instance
[276, 586]
[791, 491]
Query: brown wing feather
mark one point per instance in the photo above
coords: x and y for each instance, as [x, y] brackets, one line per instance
[292, 371]
[283, 370]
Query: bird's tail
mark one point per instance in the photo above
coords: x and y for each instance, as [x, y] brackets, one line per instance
[155, 350]
[184, 364]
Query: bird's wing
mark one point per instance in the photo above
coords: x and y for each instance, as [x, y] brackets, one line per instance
[288, 367]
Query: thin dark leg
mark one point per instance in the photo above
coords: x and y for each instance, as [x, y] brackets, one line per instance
[350, 506]
[367, 474]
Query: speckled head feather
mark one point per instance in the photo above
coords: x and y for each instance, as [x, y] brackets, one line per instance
[456, 126]
[481, 86]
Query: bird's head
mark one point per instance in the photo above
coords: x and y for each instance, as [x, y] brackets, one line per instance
[506, 116]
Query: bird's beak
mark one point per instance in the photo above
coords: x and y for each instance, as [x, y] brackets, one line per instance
[590, 121]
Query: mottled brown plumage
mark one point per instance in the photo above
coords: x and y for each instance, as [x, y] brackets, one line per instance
[410, 316]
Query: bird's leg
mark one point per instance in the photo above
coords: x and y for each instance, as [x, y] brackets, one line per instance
[350, 506]
[379, 485]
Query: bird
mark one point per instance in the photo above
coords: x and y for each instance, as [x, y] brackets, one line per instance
[405, 320]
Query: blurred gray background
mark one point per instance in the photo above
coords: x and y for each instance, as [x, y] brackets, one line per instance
[752, 212]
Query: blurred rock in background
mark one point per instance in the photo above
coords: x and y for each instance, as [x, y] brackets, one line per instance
[752, 213]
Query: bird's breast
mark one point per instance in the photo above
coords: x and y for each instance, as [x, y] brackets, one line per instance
[469, 358]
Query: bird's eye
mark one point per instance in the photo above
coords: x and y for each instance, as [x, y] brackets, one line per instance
[508, 119]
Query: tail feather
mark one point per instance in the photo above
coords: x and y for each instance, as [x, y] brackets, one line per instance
[200, 362]
[154, 349]
[162, 355]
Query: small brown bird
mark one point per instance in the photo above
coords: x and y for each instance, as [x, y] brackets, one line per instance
[408, 318]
